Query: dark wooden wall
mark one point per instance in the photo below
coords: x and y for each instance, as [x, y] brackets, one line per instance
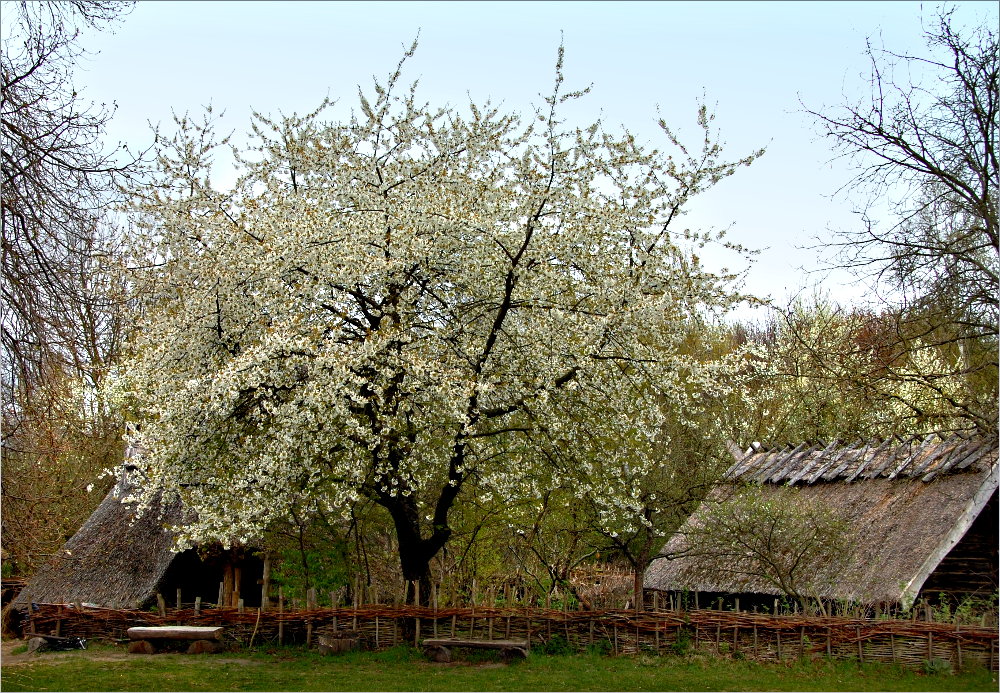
[971, 567]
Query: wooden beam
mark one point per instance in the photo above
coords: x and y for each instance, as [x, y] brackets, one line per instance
[901, 467]
[790, 461]
[470, 642]
[869, 459]
[175, 632]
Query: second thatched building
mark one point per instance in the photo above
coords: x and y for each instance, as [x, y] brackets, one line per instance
[884, 523]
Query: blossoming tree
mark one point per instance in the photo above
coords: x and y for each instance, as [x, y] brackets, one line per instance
[413, 305]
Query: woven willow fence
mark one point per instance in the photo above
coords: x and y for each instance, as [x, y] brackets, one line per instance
[726, 633]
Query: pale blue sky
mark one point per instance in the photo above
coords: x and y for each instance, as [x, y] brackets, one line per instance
[753, 60]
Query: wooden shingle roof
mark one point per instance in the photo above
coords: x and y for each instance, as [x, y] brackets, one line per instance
[914, 457]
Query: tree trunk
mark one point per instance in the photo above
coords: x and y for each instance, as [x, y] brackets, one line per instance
[415, 551]
[227, 584]
[642, 561]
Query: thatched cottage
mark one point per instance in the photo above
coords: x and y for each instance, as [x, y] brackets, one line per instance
[920, 517]
[117, 560]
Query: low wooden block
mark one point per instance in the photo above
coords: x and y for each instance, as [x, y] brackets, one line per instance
[141, 647]
[203, 647]
[438, 653]
[329, 644]
[514, 653]
[37, 644]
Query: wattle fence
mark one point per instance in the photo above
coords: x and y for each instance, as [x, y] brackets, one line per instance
[723, 633]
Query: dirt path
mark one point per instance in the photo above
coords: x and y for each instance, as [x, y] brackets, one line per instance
[104, 654]
[9, 659]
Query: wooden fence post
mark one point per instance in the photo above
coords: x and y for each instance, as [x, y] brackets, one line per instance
[958, 644]
[161, 604]
[179, 599]
[197, 606]
[265, 584]
[354, 619]
[281, 611]
[416, 602]
[237, 584]
[222, 592]
[435, 591]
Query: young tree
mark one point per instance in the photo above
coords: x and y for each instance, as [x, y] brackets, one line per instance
[407, 306]
[796, 546]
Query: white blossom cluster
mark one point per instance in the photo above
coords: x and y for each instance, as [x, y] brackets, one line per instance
[413, 302]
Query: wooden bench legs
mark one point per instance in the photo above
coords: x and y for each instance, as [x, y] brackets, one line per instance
[438, 653]
[439, 649]
[150, 646]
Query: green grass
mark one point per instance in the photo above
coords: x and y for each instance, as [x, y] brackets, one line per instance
[289, 669]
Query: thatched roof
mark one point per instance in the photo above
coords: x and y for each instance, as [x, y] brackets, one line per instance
[115, 560]
[905, 503]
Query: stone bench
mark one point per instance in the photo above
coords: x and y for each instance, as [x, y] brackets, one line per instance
[439, 649]
[146, 639]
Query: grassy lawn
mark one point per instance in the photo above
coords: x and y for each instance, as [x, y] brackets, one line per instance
[106, 669]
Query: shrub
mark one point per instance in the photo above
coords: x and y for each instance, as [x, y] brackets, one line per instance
[556, 645]
[937, 666]
[682, 645]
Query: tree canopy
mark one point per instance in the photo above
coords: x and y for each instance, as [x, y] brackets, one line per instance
[416, 302]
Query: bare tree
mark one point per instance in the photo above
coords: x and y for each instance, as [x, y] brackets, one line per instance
[60, 319]
[927, 145]
[57, 184]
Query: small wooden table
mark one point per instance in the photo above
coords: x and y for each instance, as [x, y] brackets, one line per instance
[145, 638]
[439, 649]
